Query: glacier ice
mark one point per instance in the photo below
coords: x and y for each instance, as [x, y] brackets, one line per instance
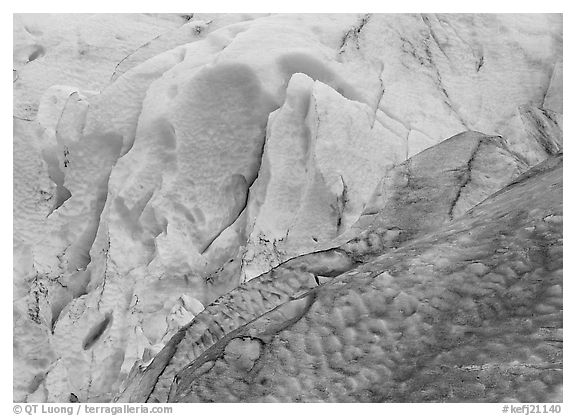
[165, 162]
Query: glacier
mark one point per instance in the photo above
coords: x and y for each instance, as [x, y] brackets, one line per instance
[183, 185]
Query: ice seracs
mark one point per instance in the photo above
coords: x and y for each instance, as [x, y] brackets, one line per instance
[457, 314]
[412, 200]
[323, 157]
[152, 185]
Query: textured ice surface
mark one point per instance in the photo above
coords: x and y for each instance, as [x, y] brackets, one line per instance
[80, 50]
[324, 155]
[161, 161]
[470, 312]
[414, 198]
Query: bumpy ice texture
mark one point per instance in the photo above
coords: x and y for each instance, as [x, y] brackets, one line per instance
[166, 161]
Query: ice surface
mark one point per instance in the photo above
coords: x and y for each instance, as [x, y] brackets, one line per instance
[413, 198]
[161, 161]
[423, 323]
[80, 50]
[337, 154]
